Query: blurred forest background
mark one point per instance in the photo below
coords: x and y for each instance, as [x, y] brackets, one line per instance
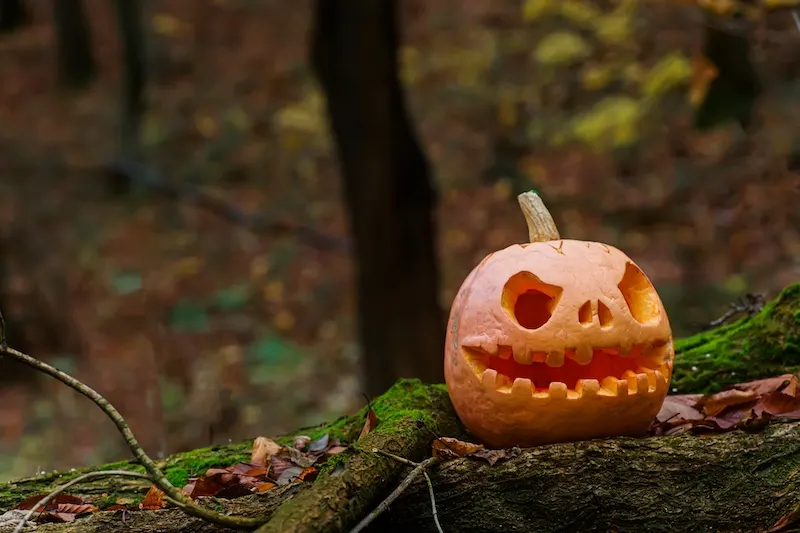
[176, 229]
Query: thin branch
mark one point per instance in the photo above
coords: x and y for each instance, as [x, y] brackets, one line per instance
[65, 486]
[433, 502]
[156, 476]
[123, 171]
[419, 468]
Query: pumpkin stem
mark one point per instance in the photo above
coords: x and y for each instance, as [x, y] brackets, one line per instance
[541, 226]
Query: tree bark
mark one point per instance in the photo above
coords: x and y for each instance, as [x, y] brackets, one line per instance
[13, 15]
[735, 481]
[76, 63]
[388, 191]
[129, 20]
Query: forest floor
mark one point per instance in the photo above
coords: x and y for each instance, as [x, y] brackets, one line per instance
[201, 331]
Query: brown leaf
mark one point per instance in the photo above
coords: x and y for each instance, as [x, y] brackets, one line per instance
[779, 404]
[369, 423]
[154, 499]
[786, 383]
[308, 474]
[61, 498]
[264, 487]
[680, 407]
[263, 450]
[494, 456]
[449, 448]
[716, 403]
[77, 509]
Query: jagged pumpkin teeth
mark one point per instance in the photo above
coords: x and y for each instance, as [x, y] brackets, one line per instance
[558, 390]
[583, 354]
[523, 357]
[555, 359]
[522, 387]
[489, 379]
[504, 352]
[652, 380]
[587, 387]
[610, 384]
[556, 340]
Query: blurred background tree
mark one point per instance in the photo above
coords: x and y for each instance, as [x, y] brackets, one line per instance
[241, 215]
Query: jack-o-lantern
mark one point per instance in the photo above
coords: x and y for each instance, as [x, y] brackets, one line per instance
[556, 340]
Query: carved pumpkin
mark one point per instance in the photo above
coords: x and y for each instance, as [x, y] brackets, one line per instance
[556, 340]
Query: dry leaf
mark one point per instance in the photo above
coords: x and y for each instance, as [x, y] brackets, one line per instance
[154, 499]
[495, 456]
[715, 404]
[263, 450]
[449, 448]
[369, 423]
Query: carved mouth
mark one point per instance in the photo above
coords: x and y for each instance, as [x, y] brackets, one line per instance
[575, 372]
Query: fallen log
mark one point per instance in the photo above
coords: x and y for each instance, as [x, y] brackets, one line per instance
[735, 481]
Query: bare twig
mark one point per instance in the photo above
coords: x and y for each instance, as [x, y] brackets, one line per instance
[129, 170]
[154, 473]
[433, 502]
[419, 468]
[751, 304]
[65, 486]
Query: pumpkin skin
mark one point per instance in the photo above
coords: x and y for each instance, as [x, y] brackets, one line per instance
[557, 341]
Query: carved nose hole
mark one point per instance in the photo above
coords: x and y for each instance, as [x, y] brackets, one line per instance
[585, 314]
[604, 314]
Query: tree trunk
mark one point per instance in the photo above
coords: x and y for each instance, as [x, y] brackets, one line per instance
[736, 481]
[76, 63]
[13, 15]
[129, 19]
[388, 191]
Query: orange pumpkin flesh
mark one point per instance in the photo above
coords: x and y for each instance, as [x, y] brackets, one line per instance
[555, 341]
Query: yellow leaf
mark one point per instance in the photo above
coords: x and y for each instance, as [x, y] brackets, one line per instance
[273, 292]
[580, 12]
[561, 48]
[610, 123]
[188, 266]
[167, 25]
[595, 77]
[534, 9]
[614, 28]
[284, 320]
[206, 125]
[672, 70]
[239, 119]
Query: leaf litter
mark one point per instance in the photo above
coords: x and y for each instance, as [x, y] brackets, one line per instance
[270, 465]
[747, 406]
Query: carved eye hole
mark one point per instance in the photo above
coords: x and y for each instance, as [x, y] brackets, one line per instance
[640, 295]
[529, 300]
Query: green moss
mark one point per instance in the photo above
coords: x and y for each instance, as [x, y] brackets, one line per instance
[764, 345]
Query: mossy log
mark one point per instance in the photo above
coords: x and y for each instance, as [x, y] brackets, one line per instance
[729, 482]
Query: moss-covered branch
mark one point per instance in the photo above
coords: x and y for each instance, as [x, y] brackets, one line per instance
[764, 345]
[730, 482]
